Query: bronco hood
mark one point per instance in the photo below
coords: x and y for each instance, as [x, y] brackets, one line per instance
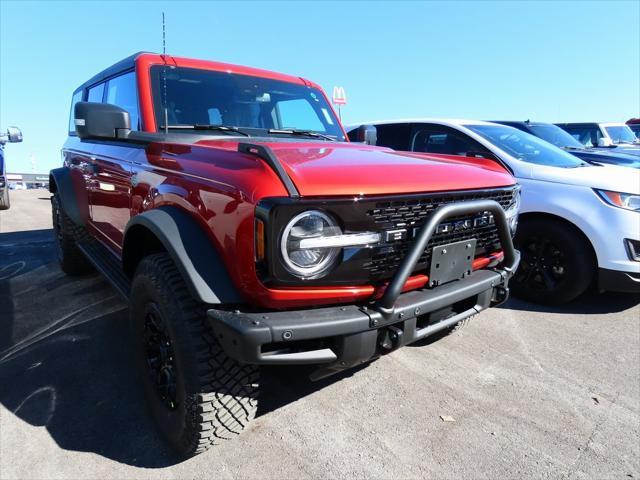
[326, 168]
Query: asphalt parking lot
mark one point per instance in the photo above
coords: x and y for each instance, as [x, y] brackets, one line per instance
[534, 392]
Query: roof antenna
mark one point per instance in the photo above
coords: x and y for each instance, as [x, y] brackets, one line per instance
[164, 78]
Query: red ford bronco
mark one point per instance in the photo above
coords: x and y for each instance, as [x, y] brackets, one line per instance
[228, 206]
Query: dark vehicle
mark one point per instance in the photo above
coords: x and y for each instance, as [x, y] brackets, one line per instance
[616, 137]
[227, 206]
[560, 138]
[634, 125]
[13, 135]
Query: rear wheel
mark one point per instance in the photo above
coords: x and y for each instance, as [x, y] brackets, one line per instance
[557, 264]
[4, 199]
[197, 396]
[72, 260]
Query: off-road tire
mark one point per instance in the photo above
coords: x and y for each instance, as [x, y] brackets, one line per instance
[5, 203]
[577, 260]
[67, 234]
[216, 397]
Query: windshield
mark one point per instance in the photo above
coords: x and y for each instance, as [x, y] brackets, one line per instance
[526, 147]
[621, 134]
[555, 135]
[253, 104]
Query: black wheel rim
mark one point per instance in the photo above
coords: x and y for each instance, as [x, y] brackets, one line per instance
[543, 267]
[159, 356]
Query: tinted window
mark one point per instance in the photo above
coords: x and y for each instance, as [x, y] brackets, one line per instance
[122, 91]
[585, 134]
[555, 135]
[396, 136]
[196, 96]
[95, 93]
[77, 97]
[526, 147]
[635, 128]
[444, 141]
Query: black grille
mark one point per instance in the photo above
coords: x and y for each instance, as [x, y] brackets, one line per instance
[411, 213]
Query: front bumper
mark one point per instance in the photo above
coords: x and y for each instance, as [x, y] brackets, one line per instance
[618, 281]
[344, 336]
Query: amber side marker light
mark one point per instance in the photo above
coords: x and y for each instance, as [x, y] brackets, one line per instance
[259, 240]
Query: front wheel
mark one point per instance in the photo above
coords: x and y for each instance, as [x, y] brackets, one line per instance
[197, 396]
[557, 264]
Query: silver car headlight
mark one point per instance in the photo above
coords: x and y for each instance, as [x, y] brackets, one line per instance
[512, 212]
[628, 201]
[312, 241]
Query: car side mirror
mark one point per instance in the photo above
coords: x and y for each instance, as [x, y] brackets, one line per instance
[14, 135]
[101, 120]
[605, 142]
[367, 134]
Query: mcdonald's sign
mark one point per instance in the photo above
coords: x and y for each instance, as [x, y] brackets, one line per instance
[339, 96]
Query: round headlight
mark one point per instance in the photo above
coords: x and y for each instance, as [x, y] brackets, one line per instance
[304, 261]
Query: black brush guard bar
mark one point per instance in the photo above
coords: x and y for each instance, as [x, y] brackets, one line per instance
[510, 261]
[354, 329]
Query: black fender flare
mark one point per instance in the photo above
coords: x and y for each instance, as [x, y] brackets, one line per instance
[61, 183]
[192, 252]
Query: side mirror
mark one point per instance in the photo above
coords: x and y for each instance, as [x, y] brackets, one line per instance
[14, 135]
[101, 120]
[366, 134]
[605, 142]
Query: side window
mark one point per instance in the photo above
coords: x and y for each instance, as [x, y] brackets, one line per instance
[299, 114]
[445, 141]
[586, 135]
[122, 91]
[395, 135]
[95, 93]
[77, 97]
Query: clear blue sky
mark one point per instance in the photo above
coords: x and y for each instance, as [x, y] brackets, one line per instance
[548, 61]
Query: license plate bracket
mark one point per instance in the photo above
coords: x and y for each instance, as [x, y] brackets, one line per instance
[451, 262]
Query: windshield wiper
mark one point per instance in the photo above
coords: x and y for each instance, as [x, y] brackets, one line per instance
[305, 133]
[220, 128]
[567, 147]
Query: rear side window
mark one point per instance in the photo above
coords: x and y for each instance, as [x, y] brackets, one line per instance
[95, 93]
[77, 97]
[396, 136]
[122, 91]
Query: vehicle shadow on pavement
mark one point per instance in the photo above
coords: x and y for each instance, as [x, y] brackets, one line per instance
[590, 303]
[65, 360]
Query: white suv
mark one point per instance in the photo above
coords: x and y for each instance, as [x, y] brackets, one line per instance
[615, 136]
[579, 222]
